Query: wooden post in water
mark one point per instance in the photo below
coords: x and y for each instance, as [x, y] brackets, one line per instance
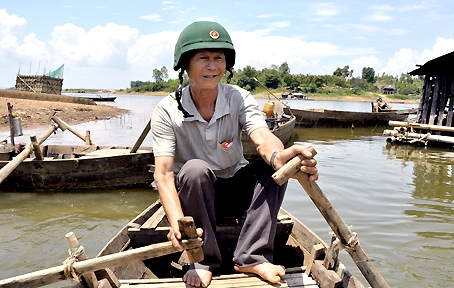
[11, 126]
[339, 227]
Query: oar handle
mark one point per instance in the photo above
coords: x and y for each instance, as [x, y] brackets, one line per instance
[55, 274]
[340, 228]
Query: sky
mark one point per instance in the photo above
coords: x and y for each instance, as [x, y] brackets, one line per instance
[108, 44]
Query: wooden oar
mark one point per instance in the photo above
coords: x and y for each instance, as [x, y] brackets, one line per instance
[55, 274]
[8, 168]
[340, 228]
[141, 137]
[63, 126]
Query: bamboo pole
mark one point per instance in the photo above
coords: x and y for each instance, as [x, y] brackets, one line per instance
[8, 168]
[333, 219]
[56, 274]
[421, 126]
[141, 137]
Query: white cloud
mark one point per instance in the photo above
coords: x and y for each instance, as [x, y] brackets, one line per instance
[151, 17]
[10, 23]
[102, 45]
[364, 61]
[268, 16]
[442, 46]
[378, 16]
[327, 9]
[405, 60]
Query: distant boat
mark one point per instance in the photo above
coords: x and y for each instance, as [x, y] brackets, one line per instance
[337, 118]
[102, 98]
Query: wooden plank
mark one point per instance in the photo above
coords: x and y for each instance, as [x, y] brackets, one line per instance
[292, 279]
[326, 278]
[154, 220]
[142, 237]
[451, 105]
[425, 101]
[442, 102]
[433, 106]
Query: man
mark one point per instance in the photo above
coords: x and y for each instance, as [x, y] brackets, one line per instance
[200, 170]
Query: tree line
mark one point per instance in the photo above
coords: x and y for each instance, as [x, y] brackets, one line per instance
[342, 81]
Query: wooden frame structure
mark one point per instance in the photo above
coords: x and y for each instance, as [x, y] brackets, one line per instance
[436, 107]
[39, 84]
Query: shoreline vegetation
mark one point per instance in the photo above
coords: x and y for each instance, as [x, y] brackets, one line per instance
[36, 113]
[262, 94]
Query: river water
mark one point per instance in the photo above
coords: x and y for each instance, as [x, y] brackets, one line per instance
[399, 200]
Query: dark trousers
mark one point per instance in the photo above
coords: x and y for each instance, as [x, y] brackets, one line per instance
[251, 192]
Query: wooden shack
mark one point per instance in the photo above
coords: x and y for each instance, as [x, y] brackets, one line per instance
[389, 89]
[50, 83]
[434, 121]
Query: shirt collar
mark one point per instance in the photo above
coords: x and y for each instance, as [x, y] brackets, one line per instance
[222, 106]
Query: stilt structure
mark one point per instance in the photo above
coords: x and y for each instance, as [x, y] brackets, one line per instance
[49, 83]
[434, 121]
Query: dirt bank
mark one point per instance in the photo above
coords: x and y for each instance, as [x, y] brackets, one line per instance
[34, 113]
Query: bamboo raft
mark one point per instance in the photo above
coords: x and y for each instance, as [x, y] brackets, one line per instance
[435, 118]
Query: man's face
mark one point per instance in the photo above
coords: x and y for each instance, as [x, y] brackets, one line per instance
[206, 68]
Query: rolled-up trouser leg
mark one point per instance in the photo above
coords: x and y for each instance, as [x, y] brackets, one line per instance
[256, 241]
[195, 183]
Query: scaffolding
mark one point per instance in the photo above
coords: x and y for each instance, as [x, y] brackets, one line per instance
[49, 83]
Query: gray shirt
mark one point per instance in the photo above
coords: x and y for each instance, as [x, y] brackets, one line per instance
[194, 138]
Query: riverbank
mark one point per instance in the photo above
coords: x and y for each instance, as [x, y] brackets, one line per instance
[34, 113]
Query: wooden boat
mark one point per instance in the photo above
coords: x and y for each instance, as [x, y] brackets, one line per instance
[337, 118]
[282, 128]
[293, 245]
[103, 98]
[81, 167]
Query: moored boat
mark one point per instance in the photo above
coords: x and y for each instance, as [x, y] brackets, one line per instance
[337, 118]
[282, 128]
[81, 167]
[103, 98]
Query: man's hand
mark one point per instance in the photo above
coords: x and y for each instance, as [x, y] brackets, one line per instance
[307, 165]
[174, 236]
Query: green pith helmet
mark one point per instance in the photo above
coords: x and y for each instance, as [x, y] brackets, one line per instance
[203, 35]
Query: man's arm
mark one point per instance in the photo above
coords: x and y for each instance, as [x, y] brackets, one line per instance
[267, 143]
[165, 182]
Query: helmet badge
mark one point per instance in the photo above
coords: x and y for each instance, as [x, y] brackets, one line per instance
[214, 34]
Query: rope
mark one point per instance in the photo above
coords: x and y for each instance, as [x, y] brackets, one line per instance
[74, 255]
[351, 243]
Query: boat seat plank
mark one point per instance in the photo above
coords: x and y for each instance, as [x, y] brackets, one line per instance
[146, 236]
[295, 277]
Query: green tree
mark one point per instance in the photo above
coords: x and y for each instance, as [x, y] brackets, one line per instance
[272, 81]
[284, 69]
[344, 72]
[160, 74]
[368, 74]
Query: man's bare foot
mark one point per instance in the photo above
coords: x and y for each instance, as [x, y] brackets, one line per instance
[198, 277]
[266, 270]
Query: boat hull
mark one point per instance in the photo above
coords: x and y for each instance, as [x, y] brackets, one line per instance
[81, 168]
[282, 130]
[336, 118]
